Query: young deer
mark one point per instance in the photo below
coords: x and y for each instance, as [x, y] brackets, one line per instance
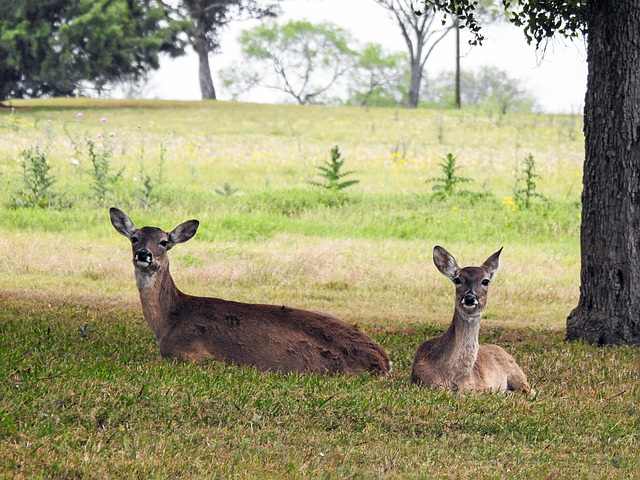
[455, 359]
[272, 338]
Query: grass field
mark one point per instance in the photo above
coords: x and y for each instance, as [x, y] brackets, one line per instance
[84, 393]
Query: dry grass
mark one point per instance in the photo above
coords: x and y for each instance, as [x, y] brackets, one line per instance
[377, 283]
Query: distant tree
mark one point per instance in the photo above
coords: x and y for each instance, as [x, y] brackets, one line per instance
[304, 60]
[488, 88]
[208, 19]
[488, 11]
[377, 78]
[421, 34]
[50, 47]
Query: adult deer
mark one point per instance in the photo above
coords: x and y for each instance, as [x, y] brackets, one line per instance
[455, 359]
[272, 338]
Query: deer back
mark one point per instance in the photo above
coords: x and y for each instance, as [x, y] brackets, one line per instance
[271, 337]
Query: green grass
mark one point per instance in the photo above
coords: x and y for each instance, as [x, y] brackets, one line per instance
[84, 393]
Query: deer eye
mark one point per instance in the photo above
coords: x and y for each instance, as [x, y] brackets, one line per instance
[457, 281]
[164, 243]
[486, 282]
[134, 240]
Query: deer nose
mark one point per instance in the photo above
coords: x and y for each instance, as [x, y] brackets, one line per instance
[469, 300]
[143, 257]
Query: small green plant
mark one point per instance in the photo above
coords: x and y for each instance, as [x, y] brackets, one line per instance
[103, 181]
[447, 184]
[74, 137]
[525, 185]
[38, 182]
[440, 127]
[226, 190]
[331, 172]
[149, 183]
[400, 151]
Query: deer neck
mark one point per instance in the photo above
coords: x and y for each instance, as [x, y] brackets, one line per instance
[462, 341]
[158, 295]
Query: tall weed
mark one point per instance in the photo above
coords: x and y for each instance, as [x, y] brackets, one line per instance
[447, 184]
[525, 183]
[332, 172]
[102, 178]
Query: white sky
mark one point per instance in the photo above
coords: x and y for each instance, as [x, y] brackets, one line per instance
[558, 80]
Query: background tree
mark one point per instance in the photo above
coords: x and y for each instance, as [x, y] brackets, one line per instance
[208, 19]
[377, 78]
[487, 88]
[303, 60]
[421, 34]
[51, 47]
[609, 305]
[488, 12]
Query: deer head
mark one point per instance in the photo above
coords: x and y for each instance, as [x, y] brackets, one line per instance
[150, 244]
[472, 283]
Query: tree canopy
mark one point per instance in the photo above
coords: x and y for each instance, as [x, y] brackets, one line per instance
[541, 19]
[378, 78]
[302, 59]
[50, 47]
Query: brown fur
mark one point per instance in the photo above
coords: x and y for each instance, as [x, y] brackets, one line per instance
[272, 338]
[455, 359]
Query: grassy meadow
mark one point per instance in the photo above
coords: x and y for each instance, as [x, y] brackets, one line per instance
[85, 394]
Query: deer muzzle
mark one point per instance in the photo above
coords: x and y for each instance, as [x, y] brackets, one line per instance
[469, 300]
[143, 258]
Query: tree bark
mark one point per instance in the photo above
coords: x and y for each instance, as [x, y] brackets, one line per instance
[608, 310]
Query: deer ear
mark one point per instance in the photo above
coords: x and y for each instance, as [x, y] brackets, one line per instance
[121, 222]
[183, 232]
[445, 263]
[493, 264]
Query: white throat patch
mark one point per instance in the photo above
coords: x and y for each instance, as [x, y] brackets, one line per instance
[145, 279]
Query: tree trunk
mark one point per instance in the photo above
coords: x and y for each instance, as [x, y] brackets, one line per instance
[200, 45]
[609, 307]
[456, 25]
[206, 82]
[416, 79]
